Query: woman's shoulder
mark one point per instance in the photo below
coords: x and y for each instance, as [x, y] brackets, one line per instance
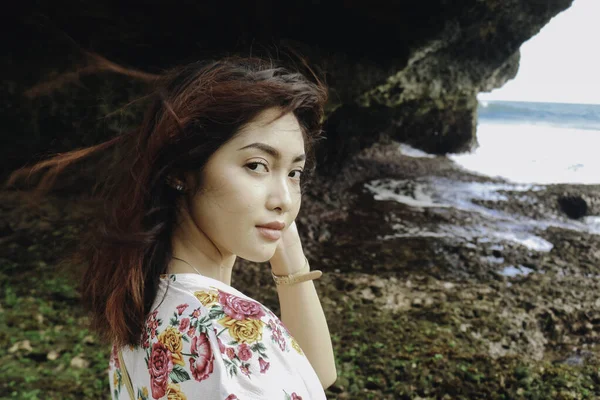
[193, 296]
[178, 290]
[206, 334]
[192, 283]
[189, 301]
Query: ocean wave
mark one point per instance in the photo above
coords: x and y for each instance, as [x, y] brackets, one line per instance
[578, 116]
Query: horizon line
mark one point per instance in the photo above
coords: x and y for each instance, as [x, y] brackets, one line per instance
[538, 101]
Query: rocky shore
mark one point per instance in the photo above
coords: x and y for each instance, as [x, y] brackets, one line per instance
[438, 284]
[492, 282]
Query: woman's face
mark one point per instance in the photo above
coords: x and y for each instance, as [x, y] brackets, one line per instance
[252, 180]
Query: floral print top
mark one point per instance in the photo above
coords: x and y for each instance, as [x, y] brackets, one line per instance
[207, 340]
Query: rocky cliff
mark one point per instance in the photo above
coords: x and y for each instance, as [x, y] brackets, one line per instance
[410, 71]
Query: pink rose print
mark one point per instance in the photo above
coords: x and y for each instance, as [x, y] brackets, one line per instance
[284, 327]
[231, 397]
[277, 336]
[153, 325]
[272, 325]
[184, 324]
[238, 308]
[191, 331]
[181, 308]
[160, 367]
[244, 352]
[201, 364]
[115, 357]
[296, 397]
[230, 352]
[221, 346]
[154, 314]
[196, 313]
[264, 366]
[282, 343]
[145, 339]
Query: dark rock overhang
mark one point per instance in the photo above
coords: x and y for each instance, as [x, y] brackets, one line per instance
[410, 70]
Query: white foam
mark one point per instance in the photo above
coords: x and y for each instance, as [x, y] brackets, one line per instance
[493, 260]
[448, 193]
[525, 239]
[445, 193]
[593, 221]
[529, 153]
[414, 235]
[512, 271]
[383, 190]
[412, 152]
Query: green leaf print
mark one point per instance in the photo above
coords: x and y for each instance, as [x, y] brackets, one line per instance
[260, 348]
[216, 313]
[179, 374]
[140, 394]
[119, 379]
[231, 368]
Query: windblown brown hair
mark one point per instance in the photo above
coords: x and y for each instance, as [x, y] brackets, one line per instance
[196, 109]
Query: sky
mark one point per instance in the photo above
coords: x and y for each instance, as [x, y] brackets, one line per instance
[561, 64]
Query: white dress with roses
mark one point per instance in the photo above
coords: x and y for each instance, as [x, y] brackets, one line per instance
[206, 340]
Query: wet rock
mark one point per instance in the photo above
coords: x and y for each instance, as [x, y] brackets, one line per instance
[574, 207]
[44, 226]
[24, 345]
[324, 236]
[89, 339]
[53, 355]
[579, 358]
[417, 302]
[79, 362]
[5, 229]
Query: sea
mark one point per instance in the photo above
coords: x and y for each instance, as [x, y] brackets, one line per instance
[538, 143]
[529, 146]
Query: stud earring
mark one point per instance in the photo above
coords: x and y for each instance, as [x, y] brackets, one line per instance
[175, 183]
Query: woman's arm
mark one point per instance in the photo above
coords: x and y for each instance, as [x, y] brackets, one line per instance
[303, 316]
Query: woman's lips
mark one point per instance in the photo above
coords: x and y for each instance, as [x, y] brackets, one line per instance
[272, 234]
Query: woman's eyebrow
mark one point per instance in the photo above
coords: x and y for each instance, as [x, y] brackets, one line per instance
[272, 151]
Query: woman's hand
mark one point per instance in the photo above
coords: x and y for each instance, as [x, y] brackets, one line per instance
[289, 256]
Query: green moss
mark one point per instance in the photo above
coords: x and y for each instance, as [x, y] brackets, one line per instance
[405, 355]
[379, 354]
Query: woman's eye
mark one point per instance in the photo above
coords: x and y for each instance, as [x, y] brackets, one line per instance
[254, 166]
[299, 173]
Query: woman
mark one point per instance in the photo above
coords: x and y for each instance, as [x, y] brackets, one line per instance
[214, 171]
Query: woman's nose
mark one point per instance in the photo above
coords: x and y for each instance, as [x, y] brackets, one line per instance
[281, 195]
